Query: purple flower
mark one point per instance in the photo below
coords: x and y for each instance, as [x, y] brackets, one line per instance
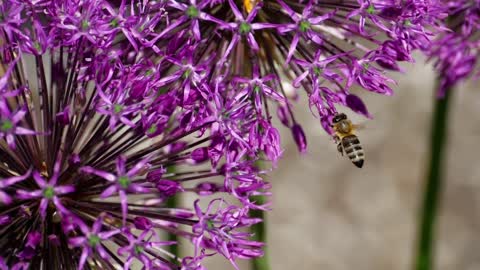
[122, 182]
[9, 123]
[455, 52]
[126, 112]
[242, 27]
[48, 192]
[303, 25]
[139, 248]
[214, 227]
[240, 58]
[113, 106]
[92, 240]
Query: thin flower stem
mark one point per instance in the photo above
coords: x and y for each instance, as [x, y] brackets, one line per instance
[426, 240]
[259, 231]
[173, 203]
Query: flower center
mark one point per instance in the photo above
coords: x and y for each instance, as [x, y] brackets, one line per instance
[371, 9]
[124, 181]
[149, 72]
[245, 28]
[113, 23]
[93, 240]
[117, 108]
[318, 71]
[138, 249]
[192, 12]
[6, 125]
[152, 129]
[187, 73]
[48, 192]
[85, 25]
[304, 26]
[210, 224]
[37, 46]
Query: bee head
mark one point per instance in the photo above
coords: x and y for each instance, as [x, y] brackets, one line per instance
[339, 117]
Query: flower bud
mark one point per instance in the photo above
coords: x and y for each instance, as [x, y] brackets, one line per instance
[299, 137]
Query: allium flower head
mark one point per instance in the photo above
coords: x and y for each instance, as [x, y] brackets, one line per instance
[455, 52]
[106, 112]
[260, 47]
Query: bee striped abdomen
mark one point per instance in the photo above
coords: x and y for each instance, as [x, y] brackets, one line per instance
[353, 150]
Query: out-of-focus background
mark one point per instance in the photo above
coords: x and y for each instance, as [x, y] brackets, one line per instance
[329, 215]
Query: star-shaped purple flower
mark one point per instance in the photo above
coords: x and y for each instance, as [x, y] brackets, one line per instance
[92, 239]
[121, 182]
[48, 191]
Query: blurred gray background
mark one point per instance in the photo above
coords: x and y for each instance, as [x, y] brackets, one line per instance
[330, 215]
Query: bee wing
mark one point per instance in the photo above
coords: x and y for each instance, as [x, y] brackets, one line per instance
[359, 126]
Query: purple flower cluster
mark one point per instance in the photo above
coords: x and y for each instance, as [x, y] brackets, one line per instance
[262, 49]
[455, 52]
[102, 121]
[108, 109]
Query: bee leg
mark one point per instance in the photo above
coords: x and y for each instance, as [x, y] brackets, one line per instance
[339, 144]
[340, 148]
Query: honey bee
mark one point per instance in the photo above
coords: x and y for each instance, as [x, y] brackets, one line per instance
[250, 4]
[346, 139]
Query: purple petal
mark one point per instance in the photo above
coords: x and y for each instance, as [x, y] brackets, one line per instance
[109, 191]
[43, 208]
[142, 223]
[18, 116]
[13, 180]
[102, 252]
[299, 79]
[121, 165]
[77, 241]
[136, 188]
[124, 203]
[4, 220]
[83, 258]
[108, 234]
[39, 179]
[97, 225]
[236, 12]
[24, 194]
[138, 167]
[64, 189]
[357, 105]
[24, 131]
[33, 239]
[293, 46]
[4, 198]
[107, 176]
[299, 137]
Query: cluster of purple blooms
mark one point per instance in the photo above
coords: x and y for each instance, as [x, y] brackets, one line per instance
[455, 51]
[108, 109]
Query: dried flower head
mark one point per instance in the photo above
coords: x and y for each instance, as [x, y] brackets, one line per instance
[100, 127]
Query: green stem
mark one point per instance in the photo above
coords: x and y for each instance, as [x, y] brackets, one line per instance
[260, 234]
[425, 251]
[172, 202]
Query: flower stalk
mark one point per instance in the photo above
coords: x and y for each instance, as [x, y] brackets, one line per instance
[259, 232]
[434, 184]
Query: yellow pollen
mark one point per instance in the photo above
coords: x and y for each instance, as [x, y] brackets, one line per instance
[249, 5]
